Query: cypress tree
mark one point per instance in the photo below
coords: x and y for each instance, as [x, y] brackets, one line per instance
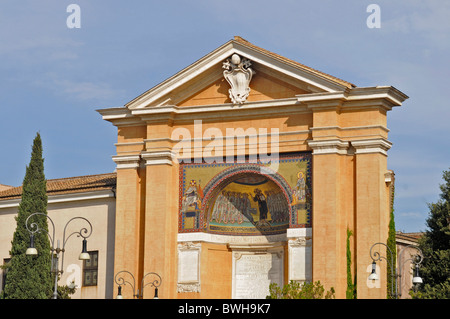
[29, 277]
[351, 286]
[392, 246]
[435, 245]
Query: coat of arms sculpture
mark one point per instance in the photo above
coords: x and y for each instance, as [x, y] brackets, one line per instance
[238, 74]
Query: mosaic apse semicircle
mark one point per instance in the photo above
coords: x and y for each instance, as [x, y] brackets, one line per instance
[247, 204]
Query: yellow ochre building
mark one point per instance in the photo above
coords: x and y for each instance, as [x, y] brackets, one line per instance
[247, 168]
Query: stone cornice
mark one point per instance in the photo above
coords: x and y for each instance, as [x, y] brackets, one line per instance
[170, 113]
[219, 111]
[384, 97]
[389, 93]
[120, 116]
[338, 146]
[64, 198]
[292, 233]
[380, 97]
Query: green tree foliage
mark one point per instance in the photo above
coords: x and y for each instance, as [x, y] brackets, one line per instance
[295, 290]
[29, 277]
[351, 286]
[391, 259]
[435, 245]
[64, 292]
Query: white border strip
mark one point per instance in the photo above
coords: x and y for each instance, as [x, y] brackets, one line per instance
[229, 239]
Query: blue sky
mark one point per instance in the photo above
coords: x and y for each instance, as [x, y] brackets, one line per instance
[53, 78]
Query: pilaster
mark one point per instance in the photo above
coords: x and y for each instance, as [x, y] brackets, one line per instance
[329, 221]
[161, 220]
[372, 211]
[129, 218]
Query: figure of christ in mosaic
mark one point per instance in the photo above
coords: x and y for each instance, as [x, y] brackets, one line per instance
[262, 204]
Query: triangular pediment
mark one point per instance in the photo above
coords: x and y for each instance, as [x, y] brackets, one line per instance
[262, 87]
[204, 83]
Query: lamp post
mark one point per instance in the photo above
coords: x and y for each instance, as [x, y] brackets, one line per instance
[120, 281]
[396, 273]
[33, 228]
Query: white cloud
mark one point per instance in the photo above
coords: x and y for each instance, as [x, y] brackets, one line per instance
[88, 90]
[412, 214]
[427, 21]
[62, 84]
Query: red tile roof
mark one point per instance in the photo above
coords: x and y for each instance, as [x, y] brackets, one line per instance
[408, 236]
[68, 185]
[4, 187]
[297, 64]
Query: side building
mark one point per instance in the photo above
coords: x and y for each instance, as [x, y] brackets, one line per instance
[91, 197]
[405, 243]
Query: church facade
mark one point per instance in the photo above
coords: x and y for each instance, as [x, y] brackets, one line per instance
[247, 168]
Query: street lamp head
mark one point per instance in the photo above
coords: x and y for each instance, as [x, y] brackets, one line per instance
[119, 293]
[84, 254]
[72, 285]
[374, 275]
[417, 279]
[31, 250]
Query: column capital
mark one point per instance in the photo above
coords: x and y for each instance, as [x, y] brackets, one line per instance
[126, 161]
[159, 157]
[378, 145]
[334, 146]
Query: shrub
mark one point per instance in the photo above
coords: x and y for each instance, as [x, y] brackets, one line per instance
[296, 290]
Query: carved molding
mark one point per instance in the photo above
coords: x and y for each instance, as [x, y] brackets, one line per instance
[232, 240]
[238, 74]
[158, 157]
[127, 161]
[237, 255]
[300, 241]
[191, 287]
[334, 146]
[189, 245]
[379, 145]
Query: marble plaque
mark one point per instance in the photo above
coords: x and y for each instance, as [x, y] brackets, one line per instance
[253, 272]
[189, 267]
[300, 259]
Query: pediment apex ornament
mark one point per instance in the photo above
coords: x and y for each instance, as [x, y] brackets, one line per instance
[238, 74]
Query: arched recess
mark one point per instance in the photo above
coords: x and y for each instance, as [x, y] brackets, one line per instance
[242, 184]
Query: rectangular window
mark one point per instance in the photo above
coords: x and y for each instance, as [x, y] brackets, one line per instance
[90, 269]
